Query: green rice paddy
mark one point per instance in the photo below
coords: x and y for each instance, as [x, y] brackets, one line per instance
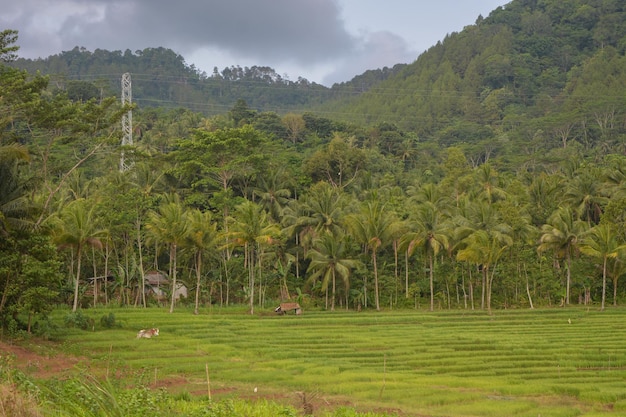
[559, 362]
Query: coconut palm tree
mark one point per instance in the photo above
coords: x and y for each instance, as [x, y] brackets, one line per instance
[430, 235]
[15, 205]
[323, 209]
[586, 193]
[252, 230]
[478, 215]
[77, 227]
[170, 225]
[374, 226]
[562, 236]
[485, 249]
[329, 260]
[202, 239]
[601, 243]
[273, 192]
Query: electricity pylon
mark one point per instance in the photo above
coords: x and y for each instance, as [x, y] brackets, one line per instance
[127, 121]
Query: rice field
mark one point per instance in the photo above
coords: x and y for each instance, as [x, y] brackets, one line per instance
[558, 362]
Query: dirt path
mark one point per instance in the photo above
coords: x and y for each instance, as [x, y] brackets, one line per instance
[38, 359]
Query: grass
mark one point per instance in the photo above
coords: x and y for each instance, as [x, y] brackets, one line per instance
[514, 363]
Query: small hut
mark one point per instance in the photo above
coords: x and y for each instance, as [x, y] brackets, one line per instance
[158, 284]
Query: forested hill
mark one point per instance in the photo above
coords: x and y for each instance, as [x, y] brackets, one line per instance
[161, 78]
[534, 70]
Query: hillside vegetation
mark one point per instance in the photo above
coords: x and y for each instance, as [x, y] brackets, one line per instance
[488, 174]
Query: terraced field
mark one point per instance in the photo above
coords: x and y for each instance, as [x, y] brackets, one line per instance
[565, 362]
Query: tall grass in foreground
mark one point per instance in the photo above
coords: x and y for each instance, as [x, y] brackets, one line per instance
[93, 398]
[560, 362]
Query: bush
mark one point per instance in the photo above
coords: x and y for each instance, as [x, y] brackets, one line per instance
[108, 321]
[77, 319]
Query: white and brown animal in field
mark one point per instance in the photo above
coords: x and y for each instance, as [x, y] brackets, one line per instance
[147, 333]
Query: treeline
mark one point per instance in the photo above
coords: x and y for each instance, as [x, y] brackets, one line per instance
[162, 78]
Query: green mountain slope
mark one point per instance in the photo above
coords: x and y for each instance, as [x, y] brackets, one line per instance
[530, 69]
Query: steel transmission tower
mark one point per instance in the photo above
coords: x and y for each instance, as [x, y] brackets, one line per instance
[127, 121]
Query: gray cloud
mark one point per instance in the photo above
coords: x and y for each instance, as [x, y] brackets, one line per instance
[376, 50]
[303, 31]
[307, 38]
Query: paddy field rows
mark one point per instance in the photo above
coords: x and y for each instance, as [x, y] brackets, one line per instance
[558, 362]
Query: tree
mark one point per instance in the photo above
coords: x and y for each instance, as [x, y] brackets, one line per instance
[323, 209]
[170, 225]
[485, 249]
[8, 49]
[430, 236]
[273, 192]
[374, 227]
[484, 220]
[587, 195]
[252, 230]
[295, 125]
[561, 235]
[31, 276]
[329, 260]
[600, 243]
[77, 228]
[202, 240]
[338, 163]
[16, 205]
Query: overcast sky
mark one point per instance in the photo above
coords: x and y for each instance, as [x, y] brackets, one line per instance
[324, 41]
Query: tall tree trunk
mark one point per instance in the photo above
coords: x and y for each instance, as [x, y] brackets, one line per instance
[198, 277]
[569, 278]
[78, 256]
[173, 275]
[375, 280]
[431, 281]
[484, 289]
[332, 301]
[251, 276]
[141, 271]
[406, 274]
[603, 282]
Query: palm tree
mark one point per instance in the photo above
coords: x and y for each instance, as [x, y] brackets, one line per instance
[273, 192]
[202, 240]
[601, 243]
[561, 235]
[374, 227]
[587, 194]
[252, 230]
[430, 235]
[487, 177]
[323, 208]
[329, 260]
[78, 228]
[485, 250]
[15, 205]
[170, 225]
[474, 216]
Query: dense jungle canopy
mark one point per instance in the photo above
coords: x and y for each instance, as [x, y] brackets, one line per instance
[489, 173]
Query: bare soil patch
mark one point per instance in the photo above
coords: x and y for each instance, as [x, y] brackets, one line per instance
[39, 359]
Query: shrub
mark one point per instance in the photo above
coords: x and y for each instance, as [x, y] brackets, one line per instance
[108, 321]
[77, 319]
